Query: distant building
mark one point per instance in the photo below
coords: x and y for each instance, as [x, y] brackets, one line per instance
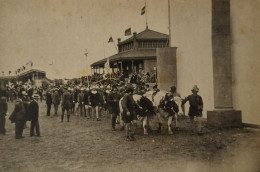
[34, 76]
[135, 54]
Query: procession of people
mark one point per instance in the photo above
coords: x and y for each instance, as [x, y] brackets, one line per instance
[89, 100]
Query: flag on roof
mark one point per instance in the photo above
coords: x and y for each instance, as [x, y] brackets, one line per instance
[110, 39]
[143, 11]
[128, 32]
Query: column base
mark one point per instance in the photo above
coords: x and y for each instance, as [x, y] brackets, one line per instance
[224, 118]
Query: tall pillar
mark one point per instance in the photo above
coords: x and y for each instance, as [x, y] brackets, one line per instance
[166, 67]
[223, 115]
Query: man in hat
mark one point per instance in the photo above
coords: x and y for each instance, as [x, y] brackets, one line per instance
[33, 111]
[173, 91]
[129, 116]
[18, 117]
[3, 111]
[94, 98]
[56, 100]
[196, 108]
[81, 101]
[86, 103]
[155, 91]
[113, 101]
[65, 104]
[48, 102]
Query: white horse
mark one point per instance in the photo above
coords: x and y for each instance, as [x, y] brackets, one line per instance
[166, 107]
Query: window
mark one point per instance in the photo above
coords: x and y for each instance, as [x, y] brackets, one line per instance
[145, 44]
[159, 44]
[149, 44]
[154, 44]
[140, 44]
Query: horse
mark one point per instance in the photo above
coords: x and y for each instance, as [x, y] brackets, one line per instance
[167, 107]
[144, 108]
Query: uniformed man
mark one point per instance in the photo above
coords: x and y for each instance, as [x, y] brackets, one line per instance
[80, 101]
[3, 111]
[18, 117]
[48, 102]
[86, 103]
[94, 98]
[65, 104]
[196, 108]
[33, 111]
[113, 102]
[56, 100]
[129, 114]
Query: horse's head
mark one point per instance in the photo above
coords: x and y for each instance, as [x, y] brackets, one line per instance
[147, 106]
[144, 105]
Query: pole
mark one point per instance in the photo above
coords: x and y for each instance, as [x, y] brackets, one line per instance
[169, 13]
[146, 16]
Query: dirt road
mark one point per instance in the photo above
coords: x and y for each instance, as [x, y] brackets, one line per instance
[88, 145]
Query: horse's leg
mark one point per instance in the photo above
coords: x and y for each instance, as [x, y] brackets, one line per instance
[160, 122]
[145, 126]
[176, 121]
[170, 125]
[121, 121]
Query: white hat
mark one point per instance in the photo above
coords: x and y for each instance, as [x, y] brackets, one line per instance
[195, 88]
[35, 96]
[24, 93]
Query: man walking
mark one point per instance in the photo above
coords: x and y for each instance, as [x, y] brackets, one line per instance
[18, 117]
[196, 108]
[66, 105]
[80, 101]
[113, 101]
[129, 115]
[3, 111]
[94, 102]
[56, 100]
[33, 111]
[48, 102]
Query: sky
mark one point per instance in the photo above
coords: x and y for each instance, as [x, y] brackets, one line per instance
[60, 32]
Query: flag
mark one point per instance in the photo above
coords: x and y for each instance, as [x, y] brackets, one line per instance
[86, 54]
[143, 11]
[110, 39]
[107, 66]
[128, 32]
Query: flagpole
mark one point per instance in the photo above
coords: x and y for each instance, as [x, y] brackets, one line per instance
[169, 14]
[146, 16]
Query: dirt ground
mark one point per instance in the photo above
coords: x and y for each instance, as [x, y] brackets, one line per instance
[89, 145]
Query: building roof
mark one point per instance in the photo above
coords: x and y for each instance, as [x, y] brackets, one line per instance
[147, 34]
[130, 55]
[30, 71]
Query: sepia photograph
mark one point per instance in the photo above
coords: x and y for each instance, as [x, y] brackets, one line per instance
[129, 86]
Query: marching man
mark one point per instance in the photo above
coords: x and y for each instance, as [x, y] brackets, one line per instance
[196, 108]
[129, 116]
[113, 101]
